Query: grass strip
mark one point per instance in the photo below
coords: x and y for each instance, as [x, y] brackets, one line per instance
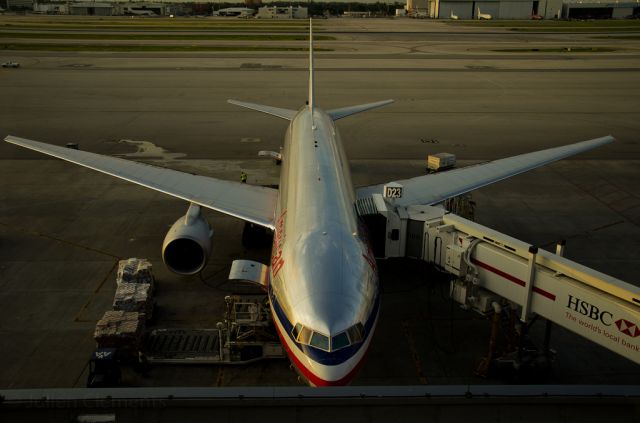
[150, 48]
[584, 29]
[157, 21]
[558, 50]
[551, 24]
[301, 30]
[618, 37]
[135, 36]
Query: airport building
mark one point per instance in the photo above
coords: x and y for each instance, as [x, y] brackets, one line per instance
[110, 8]
[16, 4]
[590, 9]
[273, 12]
[435, 9]
[495, 9]
[91, 8]
[235, 11]
[523, 9]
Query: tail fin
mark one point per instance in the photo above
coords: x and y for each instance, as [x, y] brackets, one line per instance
[310, 101]
[277, 111]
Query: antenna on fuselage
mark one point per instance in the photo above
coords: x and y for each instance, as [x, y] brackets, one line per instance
[310, 101]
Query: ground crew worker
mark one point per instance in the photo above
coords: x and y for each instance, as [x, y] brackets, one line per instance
[142, 364]
[243, 177]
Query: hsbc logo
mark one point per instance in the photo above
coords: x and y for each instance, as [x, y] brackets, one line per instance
[593, 312]
[589, 310]
[628, 328]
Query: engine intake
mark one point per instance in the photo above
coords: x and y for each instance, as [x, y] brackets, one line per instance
[187, 246]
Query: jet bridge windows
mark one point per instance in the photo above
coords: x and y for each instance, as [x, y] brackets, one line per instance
[306, 336]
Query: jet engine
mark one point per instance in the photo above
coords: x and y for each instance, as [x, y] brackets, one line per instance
[187, 246]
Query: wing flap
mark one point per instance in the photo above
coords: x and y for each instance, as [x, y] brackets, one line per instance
[247, 202]
[435, 188]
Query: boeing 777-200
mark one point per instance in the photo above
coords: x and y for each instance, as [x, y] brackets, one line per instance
[323, 281]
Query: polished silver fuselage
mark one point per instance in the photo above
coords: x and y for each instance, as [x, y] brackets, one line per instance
[322, 271]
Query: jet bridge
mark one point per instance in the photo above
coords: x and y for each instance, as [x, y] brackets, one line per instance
[492, 269]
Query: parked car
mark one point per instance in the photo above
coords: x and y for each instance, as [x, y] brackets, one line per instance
[10, 65]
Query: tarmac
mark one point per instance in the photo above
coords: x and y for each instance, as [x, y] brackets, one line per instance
[63, 228]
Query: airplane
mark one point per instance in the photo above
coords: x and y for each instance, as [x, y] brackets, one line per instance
[323, 280]
[483, 16]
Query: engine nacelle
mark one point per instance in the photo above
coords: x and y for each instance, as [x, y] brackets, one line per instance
[187, 246]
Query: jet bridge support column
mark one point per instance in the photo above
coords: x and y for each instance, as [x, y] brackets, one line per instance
[531, 268]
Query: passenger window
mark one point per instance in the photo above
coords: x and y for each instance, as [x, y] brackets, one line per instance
[320, 341]
[339, 341]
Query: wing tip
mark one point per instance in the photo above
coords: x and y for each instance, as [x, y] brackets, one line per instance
[600, 141]
[12, 139]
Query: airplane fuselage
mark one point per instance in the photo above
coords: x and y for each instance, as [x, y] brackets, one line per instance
[324, 283]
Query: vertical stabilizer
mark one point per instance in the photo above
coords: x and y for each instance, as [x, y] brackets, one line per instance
[311, 65]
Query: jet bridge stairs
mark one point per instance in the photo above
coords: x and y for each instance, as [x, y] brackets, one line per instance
[494, 273]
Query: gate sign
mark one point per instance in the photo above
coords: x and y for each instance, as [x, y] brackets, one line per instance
[392, 190]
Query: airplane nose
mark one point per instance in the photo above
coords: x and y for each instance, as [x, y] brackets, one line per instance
[332, 375]
[317, 374]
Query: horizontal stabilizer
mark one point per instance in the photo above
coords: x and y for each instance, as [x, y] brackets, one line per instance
[352, 110]
[273, 154]
[275, 111]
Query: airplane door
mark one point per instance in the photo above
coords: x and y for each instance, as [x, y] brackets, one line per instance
[376, 227]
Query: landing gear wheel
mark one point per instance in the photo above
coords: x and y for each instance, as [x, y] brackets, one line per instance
[255, 236]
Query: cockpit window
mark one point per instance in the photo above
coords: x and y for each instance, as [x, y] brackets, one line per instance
[341, 340]
[306, 336]
[356, 333]
[320, 341]
[296, 330]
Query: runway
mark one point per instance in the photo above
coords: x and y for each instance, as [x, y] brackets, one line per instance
[477, 115]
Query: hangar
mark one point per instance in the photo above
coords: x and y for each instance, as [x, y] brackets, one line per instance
[111, 8]
[97, 9]
[593, 9]
[528, 9]
[497, 9]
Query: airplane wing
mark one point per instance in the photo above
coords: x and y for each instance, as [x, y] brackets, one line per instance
[247, 202]
[435, 188]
